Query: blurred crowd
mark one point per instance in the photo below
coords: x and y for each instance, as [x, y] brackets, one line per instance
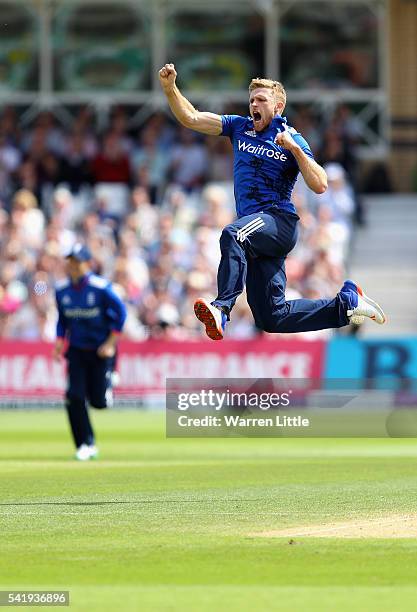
[151, 203]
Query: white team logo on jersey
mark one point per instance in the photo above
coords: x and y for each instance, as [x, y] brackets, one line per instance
[251, 133]
[91, 298]
[261, 149]
[66, 300]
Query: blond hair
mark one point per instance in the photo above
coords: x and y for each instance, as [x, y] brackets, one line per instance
[24, 199]
[277, 88]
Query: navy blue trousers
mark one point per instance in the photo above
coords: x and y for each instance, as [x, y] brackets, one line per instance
[253, 250]
[89, 380]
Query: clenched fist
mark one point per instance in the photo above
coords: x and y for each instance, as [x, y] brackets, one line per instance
[285, 140]
[167, 76]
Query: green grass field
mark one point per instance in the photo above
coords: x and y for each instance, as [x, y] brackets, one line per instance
[159, 524]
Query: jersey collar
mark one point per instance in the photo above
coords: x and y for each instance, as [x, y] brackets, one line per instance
[81, 282]
[277, 123]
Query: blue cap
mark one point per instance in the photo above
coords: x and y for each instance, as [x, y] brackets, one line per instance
[80, 252]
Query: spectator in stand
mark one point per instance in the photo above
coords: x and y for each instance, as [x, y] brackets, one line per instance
[119, 125]
[339, 196]
[27, 177]
[339, 145]
[84, 126]
[188, 162]
[4, 223]
[36, 319]
[144, 216]
[27, 219]
[10, 159]
[50, 262]
[60, 235]
[62, 208]
[217, 209]
[163, 242]
[50, 175]
[306, 124]
[164, 128]
[76, 168]
[9, 126]
[122, 275]
[12, 277]
[216, 213]
[182, 209]
[133, 327]
[44, 137]
[112, 164]
[111, 173]
[54, 136]
[133, 256]
[220, 159]
[150, 155]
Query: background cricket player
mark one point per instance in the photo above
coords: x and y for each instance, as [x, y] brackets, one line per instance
[91, 316]
[268, 155]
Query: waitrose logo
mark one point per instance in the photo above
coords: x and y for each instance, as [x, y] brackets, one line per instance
[261, 150]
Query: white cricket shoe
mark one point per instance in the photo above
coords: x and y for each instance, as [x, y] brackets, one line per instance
[83, 453]
[93, 451]
[363, 306]
[86, 452]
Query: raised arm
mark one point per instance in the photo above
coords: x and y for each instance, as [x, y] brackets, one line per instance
[184, 111]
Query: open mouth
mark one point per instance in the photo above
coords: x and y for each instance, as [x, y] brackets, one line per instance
[257, 117]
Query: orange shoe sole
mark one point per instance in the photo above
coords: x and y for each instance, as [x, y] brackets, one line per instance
[206, 317]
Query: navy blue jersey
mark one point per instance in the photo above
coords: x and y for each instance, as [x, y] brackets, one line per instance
[88, 311]
[264, 173]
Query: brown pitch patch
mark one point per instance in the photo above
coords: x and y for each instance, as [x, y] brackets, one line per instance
[393, 526]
